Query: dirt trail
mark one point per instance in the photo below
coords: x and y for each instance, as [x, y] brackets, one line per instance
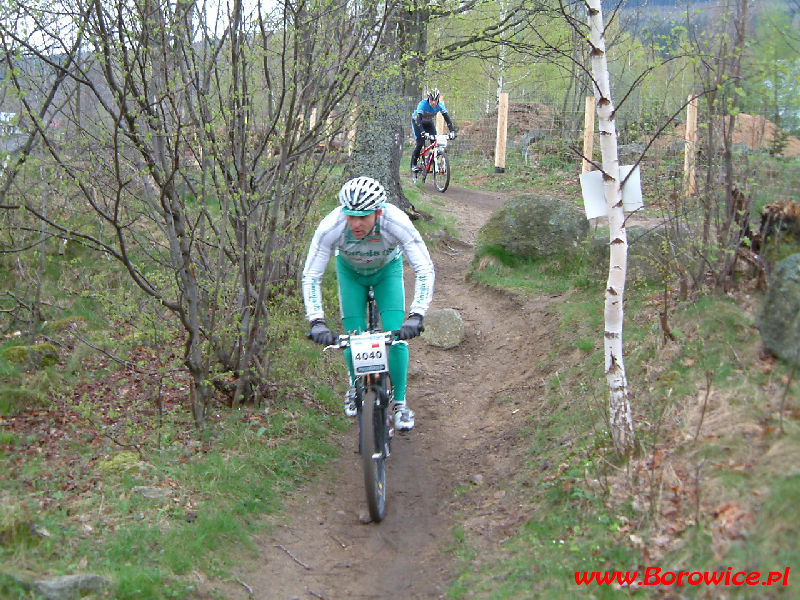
[470, 402]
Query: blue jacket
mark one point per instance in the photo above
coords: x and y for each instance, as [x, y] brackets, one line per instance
[425, 113]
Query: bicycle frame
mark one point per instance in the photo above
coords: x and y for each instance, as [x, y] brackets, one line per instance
[428, 155]
[433, 159]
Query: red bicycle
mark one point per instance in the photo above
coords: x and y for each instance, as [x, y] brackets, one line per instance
[433, 159]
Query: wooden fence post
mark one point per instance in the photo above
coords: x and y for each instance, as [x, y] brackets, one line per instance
[502, 133]
[588, 135]
[690, 149]
[351, 134]
[439, 123]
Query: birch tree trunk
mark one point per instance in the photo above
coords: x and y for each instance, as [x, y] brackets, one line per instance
[620, 419]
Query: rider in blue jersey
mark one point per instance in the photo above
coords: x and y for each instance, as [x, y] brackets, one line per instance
[369, 238]
[423, 120]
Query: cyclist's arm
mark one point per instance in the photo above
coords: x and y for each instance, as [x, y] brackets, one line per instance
[446, 116]
[416, 116]
[319, 254]
[399, 226]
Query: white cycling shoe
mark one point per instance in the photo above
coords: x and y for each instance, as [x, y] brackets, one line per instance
[403, 417]
[350, 409]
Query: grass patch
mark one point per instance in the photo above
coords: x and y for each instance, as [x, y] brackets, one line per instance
[434, 221]
[188, 506]
[558, 177]
[553, 275]
[711, 485]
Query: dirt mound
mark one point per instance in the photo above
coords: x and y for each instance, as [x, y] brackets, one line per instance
[756, 132]
[533, 121]
[527, 121]
[753, 131]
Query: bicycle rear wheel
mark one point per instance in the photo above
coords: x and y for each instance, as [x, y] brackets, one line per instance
[441, 172]
[373, 452]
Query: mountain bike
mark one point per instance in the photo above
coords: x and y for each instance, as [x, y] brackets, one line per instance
[433, 158]
[374, 403]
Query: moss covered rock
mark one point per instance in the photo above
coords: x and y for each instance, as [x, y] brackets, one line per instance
[38, 355]
[120, 462]
[60, 325]
[779, 320]
[532, 226]
[14, 400]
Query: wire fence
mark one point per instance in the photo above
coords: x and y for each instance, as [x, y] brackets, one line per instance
[540, 129]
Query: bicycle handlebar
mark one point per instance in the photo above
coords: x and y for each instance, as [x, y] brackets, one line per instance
[344, 340]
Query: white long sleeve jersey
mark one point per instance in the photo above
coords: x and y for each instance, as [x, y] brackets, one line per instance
[393, 235]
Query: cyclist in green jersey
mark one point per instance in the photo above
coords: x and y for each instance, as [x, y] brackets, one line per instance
[369, 238]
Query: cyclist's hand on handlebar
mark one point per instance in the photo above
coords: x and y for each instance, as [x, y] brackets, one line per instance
[320, 333]
[452, 135]
[412, 327]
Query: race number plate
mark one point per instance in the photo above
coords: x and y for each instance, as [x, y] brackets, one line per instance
[369, 353]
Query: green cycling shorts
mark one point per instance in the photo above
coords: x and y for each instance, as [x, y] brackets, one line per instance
[390, 298]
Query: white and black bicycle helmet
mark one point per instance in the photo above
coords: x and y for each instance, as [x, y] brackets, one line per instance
[361, 195]
[434, 94]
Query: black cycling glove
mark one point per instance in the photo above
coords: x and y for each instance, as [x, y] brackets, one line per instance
[321, 334]
[412, 327]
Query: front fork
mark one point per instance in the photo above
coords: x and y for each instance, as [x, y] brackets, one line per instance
[384, 434]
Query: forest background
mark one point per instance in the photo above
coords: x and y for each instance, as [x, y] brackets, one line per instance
[163, 165]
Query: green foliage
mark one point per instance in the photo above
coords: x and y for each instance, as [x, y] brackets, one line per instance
[207, 508]
[218, 487]
[15, 527]
[434, 223]
[12, 588]
[774, 68]
[777, 535]
[570, 527]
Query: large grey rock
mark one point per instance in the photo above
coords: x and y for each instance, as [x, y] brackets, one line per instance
[532, 226]
[444, 328]
[779, 320]
[70, 587]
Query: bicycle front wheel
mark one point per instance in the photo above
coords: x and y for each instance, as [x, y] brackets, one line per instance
[373, 452]
[441, 172]
[418, 174]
